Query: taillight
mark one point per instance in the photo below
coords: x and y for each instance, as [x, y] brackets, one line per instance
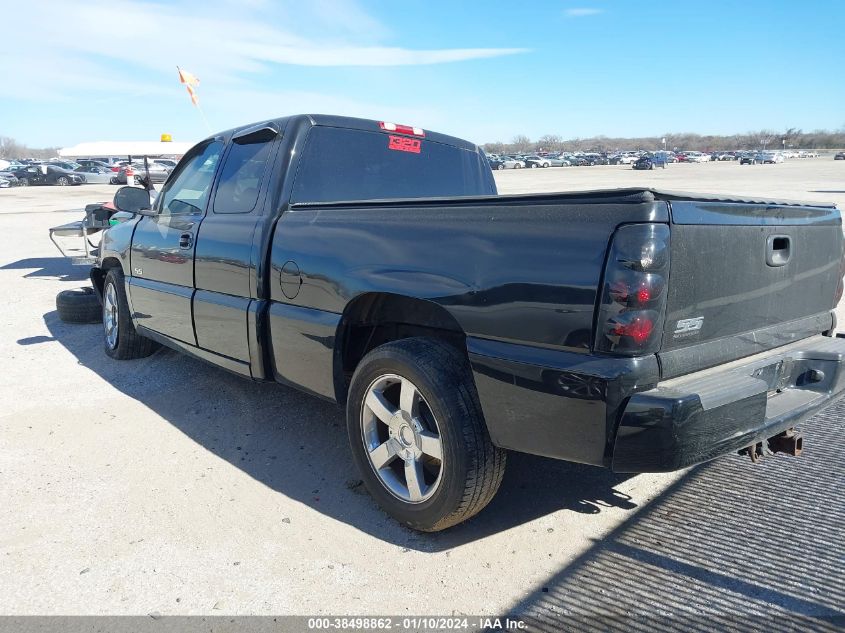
[633, 293]
[402, 129]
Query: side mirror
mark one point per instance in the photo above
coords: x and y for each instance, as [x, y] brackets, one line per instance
[133, 200]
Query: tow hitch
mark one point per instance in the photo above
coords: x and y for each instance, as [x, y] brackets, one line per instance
[790, 442]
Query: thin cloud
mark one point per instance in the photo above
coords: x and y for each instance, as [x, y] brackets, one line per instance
[208, 37]
[582, 12]
[367, 56]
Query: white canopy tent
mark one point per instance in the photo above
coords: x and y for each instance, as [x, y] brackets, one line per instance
[125, 148]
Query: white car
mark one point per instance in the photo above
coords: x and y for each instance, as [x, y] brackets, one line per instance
[769, 157]
[697, 157]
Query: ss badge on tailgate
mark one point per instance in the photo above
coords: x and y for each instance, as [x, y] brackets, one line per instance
[688, 327]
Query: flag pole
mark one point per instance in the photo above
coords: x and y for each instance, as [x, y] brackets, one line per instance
[202, 114]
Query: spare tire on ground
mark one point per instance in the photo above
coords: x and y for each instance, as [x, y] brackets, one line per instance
[80, 305]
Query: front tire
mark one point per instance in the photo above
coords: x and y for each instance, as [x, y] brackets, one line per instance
[23, 182]
[418, 436]
[62, 181]
[120, 339]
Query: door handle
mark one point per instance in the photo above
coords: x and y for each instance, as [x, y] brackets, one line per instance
[186, 240]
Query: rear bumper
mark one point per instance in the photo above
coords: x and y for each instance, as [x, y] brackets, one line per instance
[700, 416]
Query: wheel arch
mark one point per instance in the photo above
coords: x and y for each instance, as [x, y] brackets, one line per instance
[98, 274]
[374, 318]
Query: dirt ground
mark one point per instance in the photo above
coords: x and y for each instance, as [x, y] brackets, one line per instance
[167, 486]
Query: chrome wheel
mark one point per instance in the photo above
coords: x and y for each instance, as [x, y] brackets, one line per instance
[401, 438]
[110, 316]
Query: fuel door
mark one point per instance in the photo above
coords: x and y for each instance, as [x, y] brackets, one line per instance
[291, 279]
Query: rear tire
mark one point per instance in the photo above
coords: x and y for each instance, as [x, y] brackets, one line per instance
[79, 306]
[120, 339]
[393, 437]
[23, 182]
[62, 181]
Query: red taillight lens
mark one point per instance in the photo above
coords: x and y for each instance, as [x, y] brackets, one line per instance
[638, 329]
[630, 318]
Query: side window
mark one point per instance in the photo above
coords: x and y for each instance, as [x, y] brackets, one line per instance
[243, 172]
[187, 192]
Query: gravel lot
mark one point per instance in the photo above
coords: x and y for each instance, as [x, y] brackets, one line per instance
[168, 486]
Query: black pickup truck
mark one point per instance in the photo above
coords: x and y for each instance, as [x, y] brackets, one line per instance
[374, 265]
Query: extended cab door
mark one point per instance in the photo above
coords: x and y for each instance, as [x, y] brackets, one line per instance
[225, 254]
[161, 286]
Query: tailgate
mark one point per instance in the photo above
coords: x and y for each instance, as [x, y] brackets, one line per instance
[745, 278]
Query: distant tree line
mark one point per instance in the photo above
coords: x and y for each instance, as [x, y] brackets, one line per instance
[687, 141]
[10, 148]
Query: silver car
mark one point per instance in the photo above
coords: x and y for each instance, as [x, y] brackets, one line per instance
[158, 173]
[511, 163]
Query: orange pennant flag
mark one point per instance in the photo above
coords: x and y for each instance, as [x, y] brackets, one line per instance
[187, 78]
[194, 98]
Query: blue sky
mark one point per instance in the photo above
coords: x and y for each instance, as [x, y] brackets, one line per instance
[486, 71]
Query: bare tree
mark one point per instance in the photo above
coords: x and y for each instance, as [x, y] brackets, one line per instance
[494, 148]
[550, 143]
[521, 143]
[10, 148]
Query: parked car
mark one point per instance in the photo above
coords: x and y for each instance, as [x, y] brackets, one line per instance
[697, 157]
[88, 162]
[626, 159]
[537, 161]
[768, 158]
[158, 173]
[644, 162]
[448, 346]
[557, 161]
[747, 158]
[839, 156]
[511, 163]
[578, 161]
[65, 164]
[96, 174]
[5, 183]
[495, 163]
[47, 174]
[10, 178]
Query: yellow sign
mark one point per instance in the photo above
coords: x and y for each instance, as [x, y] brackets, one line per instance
[166, 138]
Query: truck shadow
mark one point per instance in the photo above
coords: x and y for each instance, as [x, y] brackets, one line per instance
[297, 444]
[50, 267]
[729, 546]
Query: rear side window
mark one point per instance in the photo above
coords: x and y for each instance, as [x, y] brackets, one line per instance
[341, 164]
[243, 171]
